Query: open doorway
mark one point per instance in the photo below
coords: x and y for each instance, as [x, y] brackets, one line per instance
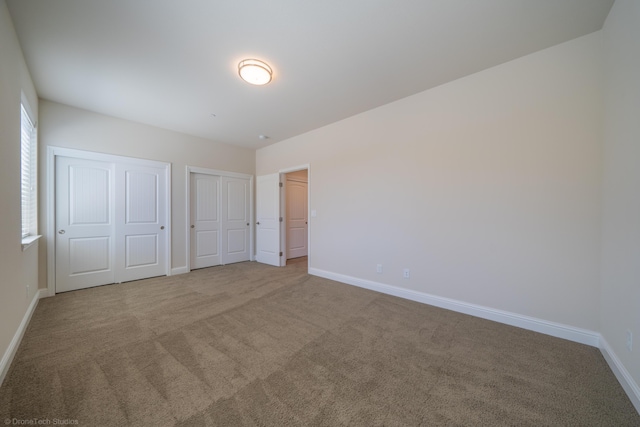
[296, 216]
[273, 246]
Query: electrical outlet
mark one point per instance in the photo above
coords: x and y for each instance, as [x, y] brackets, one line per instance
[629, 340]
[406, 273]
[379, 268]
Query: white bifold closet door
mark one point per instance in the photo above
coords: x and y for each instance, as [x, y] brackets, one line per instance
[141, 222]
[220, 220]
[85, 223]
[110, 222]
[236, 223]
[205, 220]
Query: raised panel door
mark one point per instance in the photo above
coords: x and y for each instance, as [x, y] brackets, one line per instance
[141, 222]
[268, 219]
[205, 220]
[85, 225]
[296, 219]
[235, 220]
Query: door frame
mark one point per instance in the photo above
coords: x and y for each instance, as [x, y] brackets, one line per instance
[283, 211]
[52, 153]
[220, 173]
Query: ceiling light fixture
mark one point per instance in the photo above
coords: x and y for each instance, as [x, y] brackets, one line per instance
[255, 72]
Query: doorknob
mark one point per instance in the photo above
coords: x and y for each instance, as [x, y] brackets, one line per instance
[258, 223]
[247, 224]
[193, 226]
[162, 227]
[61, 232]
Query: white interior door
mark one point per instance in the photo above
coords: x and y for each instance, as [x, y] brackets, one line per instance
[85, 223]
[141, 222]
[297, 219]
[235, 220]
[268, 219]
[205, 220]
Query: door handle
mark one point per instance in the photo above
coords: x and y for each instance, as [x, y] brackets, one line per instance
[61, 232]
[162, 227]
[193, 226]
[247, 224]
[258, 223]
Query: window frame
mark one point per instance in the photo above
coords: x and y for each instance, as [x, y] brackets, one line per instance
[28, 174]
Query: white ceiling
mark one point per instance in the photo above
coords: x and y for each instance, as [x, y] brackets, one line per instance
[172, 63]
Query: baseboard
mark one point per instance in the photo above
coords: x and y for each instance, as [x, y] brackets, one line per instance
[8, 356]
[559, 330]
[179, 270]
[624, 377]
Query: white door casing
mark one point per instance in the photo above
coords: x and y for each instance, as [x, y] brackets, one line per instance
[297, 220]
[236, 221]
[85, 224]
[268, 219]
[205, 221]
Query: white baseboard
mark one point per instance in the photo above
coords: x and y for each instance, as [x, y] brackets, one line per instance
[582, 336]
[8, 356]
[624, 377]
[179, 270]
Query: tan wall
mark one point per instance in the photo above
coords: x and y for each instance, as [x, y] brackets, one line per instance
[621, 229]
[487, 188]
[18, 268]
[64, 126]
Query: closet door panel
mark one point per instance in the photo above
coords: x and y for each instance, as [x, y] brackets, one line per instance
[205, 220]
[235, 219]
[84, 223]
[141, 230]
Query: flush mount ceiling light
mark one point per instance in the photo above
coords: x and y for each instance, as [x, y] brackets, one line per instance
[255, 72]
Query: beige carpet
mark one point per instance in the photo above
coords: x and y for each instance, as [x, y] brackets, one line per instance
[248, 344]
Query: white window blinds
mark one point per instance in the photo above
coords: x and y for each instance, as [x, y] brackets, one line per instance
[29, 165]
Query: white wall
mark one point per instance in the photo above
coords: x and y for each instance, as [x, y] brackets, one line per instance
[19, 269]
[487, 188]
[620, 306]
[64, 126]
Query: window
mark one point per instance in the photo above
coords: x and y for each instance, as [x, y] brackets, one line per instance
[29, 167]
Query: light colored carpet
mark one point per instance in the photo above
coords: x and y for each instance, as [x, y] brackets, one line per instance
[249, 344]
